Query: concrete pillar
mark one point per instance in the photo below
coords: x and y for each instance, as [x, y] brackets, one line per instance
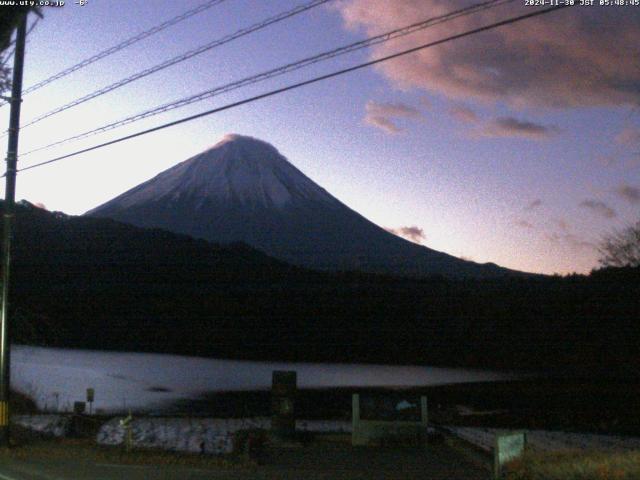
[283, 393]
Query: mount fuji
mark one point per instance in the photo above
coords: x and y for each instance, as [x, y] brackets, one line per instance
[243, 190]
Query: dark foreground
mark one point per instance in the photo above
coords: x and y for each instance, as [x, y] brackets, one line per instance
[319, 460]
[605, 406]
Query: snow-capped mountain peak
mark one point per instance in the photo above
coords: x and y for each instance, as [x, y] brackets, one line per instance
[240, 169]
[243, 189]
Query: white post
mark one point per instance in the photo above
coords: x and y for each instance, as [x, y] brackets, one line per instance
[424, 413]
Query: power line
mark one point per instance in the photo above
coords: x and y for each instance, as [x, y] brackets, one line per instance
[124, 44]
[302, 84]
[375, 40]
[181, 58]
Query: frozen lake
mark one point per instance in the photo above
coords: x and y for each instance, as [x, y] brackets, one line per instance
[55, 378]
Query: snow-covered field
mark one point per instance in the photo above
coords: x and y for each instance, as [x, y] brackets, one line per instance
[216, 435]
[195, 435]
[199, 435]
[48, 424]
[55, 378]
[546, 440]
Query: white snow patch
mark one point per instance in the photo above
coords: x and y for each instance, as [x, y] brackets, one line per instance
[55, 378]
[56, 425]
[198, 435]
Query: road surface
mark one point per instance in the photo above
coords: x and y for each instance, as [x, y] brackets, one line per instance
[336, 462]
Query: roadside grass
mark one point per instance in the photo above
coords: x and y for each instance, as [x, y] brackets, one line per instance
[594, 465]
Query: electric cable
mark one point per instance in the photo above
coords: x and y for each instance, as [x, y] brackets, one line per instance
[122, 45]
[375, 40]
[180, 58]
[304, 83]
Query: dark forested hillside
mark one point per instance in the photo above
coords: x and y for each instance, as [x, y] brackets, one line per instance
[94, 283]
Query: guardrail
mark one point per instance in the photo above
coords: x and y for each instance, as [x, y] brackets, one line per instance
[505, 447]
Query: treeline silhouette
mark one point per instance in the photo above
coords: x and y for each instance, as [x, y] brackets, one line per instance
[91, 283]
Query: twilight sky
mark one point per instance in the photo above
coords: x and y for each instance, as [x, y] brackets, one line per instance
[519, 146]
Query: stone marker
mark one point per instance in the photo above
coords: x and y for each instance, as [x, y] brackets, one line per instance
[283, 393]
[508, 446]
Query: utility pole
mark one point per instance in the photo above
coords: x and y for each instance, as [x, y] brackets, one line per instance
[9, 213]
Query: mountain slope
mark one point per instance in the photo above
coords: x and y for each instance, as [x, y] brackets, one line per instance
[242, 189]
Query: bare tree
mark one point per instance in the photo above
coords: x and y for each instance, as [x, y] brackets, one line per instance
[621, 248]
[9, 20]
[5, 72]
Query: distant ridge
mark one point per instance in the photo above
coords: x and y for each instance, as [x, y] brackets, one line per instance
[243, 189]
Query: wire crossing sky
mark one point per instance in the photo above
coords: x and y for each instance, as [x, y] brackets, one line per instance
[385, 37]
[180, 58]
[127, 43]
[481, 147]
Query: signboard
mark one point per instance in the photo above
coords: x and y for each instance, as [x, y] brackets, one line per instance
[79, 407]
[90, 396]
[508, 446]
[388, 418]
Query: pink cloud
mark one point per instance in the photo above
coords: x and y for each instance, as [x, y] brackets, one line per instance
[562, 224]
[413, 234]
[524, 224]
[628, 136]
[533, 204]
[629, 193]
[560, 59]
[381, 115]
[391, 109]
[463, 114]
[383, 123]
[599, 207]
[608, 160]
[571, 240]
[512, 127]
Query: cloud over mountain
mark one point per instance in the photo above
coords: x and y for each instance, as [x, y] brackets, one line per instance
[413, 234]
[574, 57]
[382, 115]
